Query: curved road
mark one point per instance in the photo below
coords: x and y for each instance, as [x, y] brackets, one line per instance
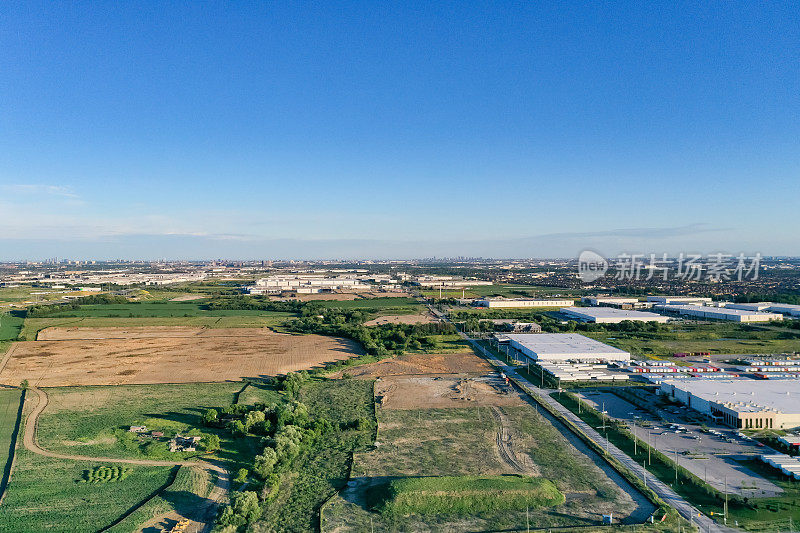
[217, 494]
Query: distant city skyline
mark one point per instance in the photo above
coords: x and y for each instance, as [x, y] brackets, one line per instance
[370, 130]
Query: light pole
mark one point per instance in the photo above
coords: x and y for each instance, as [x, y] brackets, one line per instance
[603, 416]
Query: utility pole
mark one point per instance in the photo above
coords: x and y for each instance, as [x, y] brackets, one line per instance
[676, 466]
[649, 446]
[725, 514]
[603, 415]
[635, 452]
[644, 473]
[527, 519]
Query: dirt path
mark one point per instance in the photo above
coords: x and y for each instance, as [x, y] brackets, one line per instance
[504, 441]
[206, 513]
[7, 355]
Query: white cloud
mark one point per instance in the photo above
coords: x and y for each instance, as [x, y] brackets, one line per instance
[38, 188]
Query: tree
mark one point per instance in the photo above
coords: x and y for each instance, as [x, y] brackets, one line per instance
[241, 476]
[210, 443]
[265, 462]
[24, 384]
[210, 416]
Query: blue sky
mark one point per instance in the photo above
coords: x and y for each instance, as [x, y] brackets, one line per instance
[372, 129]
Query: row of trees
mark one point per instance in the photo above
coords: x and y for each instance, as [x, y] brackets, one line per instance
[96, 299]
[287, 431]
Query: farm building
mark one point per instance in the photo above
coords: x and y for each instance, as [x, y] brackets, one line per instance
[610, 315]
[562, 347]
[521, 302]
[741, 403]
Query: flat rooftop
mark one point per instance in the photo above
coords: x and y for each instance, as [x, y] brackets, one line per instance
[611, 312]
[745, 395]
[709, 309]
[565, 345]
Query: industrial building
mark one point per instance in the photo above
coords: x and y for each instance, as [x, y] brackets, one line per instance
[741, 403]
[785, 309]
[520, 302]
[719, 313]
[687, 300]
[611, 301]
[562, 347]
[307, 284]
[610, 315]
[568, 372]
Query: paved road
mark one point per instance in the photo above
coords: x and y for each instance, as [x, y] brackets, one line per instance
[207, 511]
[666, 493]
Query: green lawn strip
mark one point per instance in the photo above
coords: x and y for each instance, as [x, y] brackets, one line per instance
[184, 495]
[46, 494]
[10, 327]
[769, 514]
[466, 495]
[94, 421]
[9, 414]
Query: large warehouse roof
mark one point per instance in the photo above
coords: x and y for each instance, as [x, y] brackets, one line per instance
[721, 313]
[610, 315]
[745, 395]
[564, 346]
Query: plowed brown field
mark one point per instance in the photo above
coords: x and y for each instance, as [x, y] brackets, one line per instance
[109, 356]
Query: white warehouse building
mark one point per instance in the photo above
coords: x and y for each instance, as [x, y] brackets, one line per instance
[678, 300]
[740, 403]
[610, 315]
[563, 347]
[611, 301]
[720, 313]
[521, 302]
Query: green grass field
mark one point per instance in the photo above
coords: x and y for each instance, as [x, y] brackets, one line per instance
[185, 494]
[9, 407]
[94, 421]
[468, 495]
[503, 290]
[46, 495]
[271, 319]
[10, 327]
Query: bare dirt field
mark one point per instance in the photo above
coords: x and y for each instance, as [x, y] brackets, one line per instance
[434, 392]
[112, 356]
[451, 363]
[188, 298]
[402, 319]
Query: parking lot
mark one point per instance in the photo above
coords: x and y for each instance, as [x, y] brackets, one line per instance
[711, 457]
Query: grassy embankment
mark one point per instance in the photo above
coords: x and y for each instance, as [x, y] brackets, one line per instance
[467, 495]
